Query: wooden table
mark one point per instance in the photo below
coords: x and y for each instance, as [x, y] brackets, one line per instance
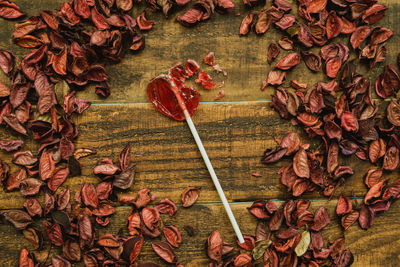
[236, 130]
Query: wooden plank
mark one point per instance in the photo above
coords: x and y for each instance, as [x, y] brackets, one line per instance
[244, 58]
[379, 246]
[235, 136]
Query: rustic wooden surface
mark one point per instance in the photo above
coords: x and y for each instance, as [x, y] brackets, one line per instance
[235, 132]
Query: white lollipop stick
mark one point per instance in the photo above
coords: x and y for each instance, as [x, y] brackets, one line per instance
[213, 176]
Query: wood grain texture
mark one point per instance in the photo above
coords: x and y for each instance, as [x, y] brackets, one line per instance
[379, 246]
[244, 58]
[235, 136]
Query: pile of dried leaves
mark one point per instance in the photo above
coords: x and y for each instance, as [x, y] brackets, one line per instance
[342, 113]
[70, 222]
[300, 243]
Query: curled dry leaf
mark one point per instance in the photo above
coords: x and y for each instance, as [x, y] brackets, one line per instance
[359, 36]
[25, 258]
[292, 142]
[164, 250]
[333, 25]
[286, 22]
[173, 235]
[366, 218]
[10, 10]
[214, 246]
[285, 43]
[84, 152]
[374, 13]
[300, 164]
[247, 24]
[349, 122]
[143, 23]
[263, 22]
[316, 6]
[274, 154]
[166, 206]
[125, 179]
[303, 244]
[391, 159]
[288, 62]
[7, 61]
[190, 196]
[312, 60]
[20, 219]
[276, 77]
[344, 205]
[372, 177]
[249, 243]
[349, 219]
[273, 52]
[9, 146]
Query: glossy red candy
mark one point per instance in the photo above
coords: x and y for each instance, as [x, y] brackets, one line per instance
[164, 91]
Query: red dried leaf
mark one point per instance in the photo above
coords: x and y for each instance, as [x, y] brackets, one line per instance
[288, 62]
[366, 218]
[59, 176]
[372, 177]
[89, 196]
[349, 219]
[214, 246]
[300, 164]
[247, 24]
[276, 77]
[316, 6]
[349, 122]
[14, 123]
[151, 218]
[50, 19]
[166, 206]
[263, 22]
[286, 22]
[359, 36]
[143, 23]
[344, 205]
[375, 192]
[374, 13]
[7, 61]
[33, 207]
[333, 25]
[190, 196]
[30, 187]
[258, 210]
[47, 166]
[391, 159]
[321, 219]
[132, 248]
[81, 8]
[173, 235]
[164, 250]
[54, 233]
[272, 155]
[332, 67]
[292, 142]
[9, 10]
[25, 260]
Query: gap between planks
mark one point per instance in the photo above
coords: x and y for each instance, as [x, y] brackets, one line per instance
[207, 102]
[245, 202]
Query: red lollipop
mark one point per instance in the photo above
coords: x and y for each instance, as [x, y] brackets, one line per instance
[169, 94]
